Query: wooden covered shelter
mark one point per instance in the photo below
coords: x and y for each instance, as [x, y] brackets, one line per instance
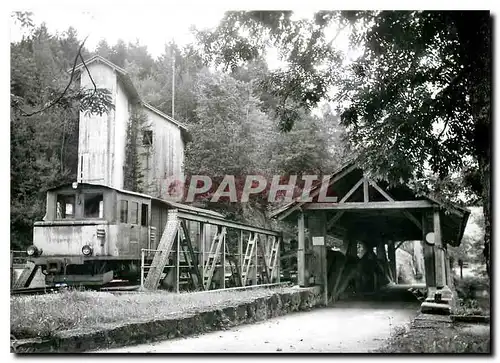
[376, 217]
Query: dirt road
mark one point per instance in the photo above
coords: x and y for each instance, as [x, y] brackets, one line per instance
[347, 327]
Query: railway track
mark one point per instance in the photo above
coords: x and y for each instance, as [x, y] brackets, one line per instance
[118, 286]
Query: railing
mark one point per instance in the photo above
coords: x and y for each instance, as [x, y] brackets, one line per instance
[256, 277]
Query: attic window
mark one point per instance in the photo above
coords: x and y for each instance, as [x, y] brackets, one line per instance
[147, 137]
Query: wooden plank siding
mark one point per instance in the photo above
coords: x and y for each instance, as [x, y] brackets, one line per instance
[103, 139]
[166, 155]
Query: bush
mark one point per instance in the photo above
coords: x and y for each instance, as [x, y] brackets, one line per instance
[470, 288]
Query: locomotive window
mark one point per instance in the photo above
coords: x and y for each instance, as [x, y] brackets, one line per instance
[123, 211]
[144, 215]
[65, 206]
[93, 206]
[134, 213]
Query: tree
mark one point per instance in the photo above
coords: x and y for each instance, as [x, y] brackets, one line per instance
[418, 98]
[309, 56]
[44, 123]
[420, 95]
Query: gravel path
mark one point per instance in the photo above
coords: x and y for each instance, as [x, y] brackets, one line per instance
[348, 327]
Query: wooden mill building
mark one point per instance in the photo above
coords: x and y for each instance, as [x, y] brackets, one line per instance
[103, 138]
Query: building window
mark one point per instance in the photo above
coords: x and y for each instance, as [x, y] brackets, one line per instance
[65, 206]
[147, 137]
[93, 206]
[134, 213]
[144, 215]
[123, 211]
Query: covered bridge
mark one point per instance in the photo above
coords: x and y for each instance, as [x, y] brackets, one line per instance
[371, 215]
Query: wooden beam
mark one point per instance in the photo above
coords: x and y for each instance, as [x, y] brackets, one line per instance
[366, 193]
[351, 191]
[191, 216]
[438, 251]
[380, 190]
[430, 276]
[391, 199]
[317, 191]
[413, 219]
[301, 280]
[391, 251]
[410, 204]
[334, 219]
[317, 230]
[399, 245]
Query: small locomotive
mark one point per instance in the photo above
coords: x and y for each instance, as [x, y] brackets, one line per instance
[92, 234]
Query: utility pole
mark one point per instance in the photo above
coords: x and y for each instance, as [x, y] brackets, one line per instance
[173, 84]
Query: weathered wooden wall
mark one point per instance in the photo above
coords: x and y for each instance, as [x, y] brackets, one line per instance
[102, 140]
[165, 157]
[96, 133]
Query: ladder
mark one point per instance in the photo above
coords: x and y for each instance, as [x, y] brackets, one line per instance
[273, 257]
[163, 251]
[26, 276]
[189, 256]
[213, 256]
[247, 260]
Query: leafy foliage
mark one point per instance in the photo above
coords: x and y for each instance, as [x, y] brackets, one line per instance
[133, 178]
[419, 97]
[232, 120]
[309, 56]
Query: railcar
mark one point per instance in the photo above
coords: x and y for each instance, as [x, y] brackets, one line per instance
[92, 234]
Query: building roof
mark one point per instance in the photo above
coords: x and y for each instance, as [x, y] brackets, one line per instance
[173, 205]
[454, 218]
[129, 86]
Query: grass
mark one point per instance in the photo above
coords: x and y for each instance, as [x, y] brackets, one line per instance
[454, 339]
[443, 337]
[45, 315]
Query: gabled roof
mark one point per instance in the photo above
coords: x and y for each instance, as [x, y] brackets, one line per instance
[129, 86]
[173, 205]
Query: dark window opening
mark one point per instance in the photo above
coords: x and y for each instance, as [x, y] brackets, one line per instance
[134, 213]
[123, 211]
[147, 138]
[65, 206]
[93, 206]
[144, 215]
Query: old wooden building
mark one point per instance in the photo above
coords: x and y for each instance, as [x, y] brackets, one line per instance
[103, 139]
[375, 218]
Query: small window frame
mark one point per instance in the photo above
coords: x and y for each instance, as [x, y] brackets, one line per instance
[66, 195]
[147, 138]
[123, 212]
[144, 215]
[134, 219]
[85, 200]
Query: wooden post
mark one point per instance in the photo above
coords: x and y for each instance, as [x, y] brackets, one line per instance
[223, 262]
[256, 259]
[202, 259]
[301, 268]
[430, 277]
[317, 230]
[449, 275]
[382, 257]
[278, 257]
[391, 252]
[177, 261]
[438, 252]
[240, 249]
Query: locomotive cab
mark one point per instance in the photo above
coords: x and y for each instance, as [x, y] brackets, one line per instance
[91, 234]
